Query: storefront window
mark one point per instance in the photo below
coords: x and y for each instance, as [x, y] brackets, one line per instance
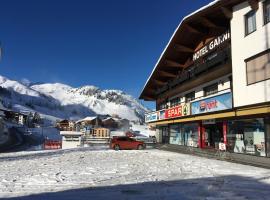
[175, 134]
[190, 134]
[246, 136]
[184, 134]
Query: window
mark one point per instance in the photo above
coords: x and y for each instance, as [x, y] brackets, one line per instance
[250, 22]
[175, 134]
[258, 68]
[163, 106]
[175, 102]
[123, 139]
[247, 136]
[211, 89]
[266, 11]
[190, 134]
[190, 96]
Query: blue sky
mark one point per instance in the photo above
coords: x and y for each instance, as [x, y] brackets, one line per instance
[109, 44]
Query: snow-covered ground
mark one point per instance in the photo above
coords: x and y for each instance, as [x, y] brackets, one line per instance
[108, 174]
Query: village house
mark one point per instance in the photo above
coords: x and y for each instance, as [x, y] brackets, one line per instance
[14, 117]
[65, 125]
[90, 122]
[110, 123]
[100, 132]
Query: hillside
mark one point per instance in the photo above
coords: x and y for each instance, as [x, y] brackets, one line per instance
[56, 100]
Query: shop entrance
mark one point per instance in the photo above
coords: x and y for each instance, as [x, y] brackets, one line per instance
[165, 135]
[212, 135]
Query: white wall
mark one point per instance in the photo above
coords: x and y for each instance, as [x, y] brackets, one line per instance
[223, 87]
[244, 47]
[66, 144]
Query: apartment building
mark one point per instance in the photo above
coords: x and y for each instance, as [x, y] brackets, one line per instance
[211, 84]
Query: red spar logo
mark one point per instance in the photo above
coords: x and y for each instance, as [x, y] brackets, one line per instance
[174, 112]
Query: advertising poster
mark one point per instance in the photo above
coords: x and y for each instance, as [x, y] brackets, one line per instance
[151, 117]
[217, 103]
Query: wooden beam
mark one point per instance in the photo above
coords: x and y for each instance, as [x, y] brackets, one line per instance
[167, 74]
[192, 29]
[172, 63]
[148, 98]
[254, 4]
[209, 23]
[227, 12]
[150, 90]
[188, 62]
[159, 82]
[183, 48]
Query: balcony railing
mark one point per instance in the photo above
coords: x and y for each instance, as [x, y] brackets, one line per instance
[209, 62]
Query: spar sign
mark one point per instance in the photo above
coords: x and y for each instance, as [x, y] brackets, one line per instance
[173, 112]
[178, 111]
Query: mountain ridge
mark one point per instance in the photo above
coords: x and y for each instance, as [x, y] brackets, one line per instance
[63, 101]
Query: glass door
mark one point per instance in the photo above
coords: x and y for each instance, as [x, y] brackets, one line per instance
[165, 135]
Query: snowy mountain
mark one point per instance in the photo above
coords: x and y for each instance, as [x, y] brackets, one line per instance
[56, 100]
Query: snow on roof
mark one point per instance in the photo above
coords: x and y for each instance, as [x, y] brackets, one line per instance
[193, 13]
[70, 133]
[106, 119]
[87, 119]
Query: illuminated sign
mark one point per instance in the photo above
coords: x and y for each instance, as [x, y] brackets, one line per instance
[151, 117]
[211, 45]
[212, 104]
[207, 106]
[178, 111]
[173, 112]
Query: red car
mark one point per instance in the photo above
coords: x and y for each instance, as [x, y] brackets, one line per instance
[124, 142]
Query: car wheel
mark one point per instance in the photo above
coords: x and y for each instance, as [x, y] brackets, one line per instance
[140, 147]
[116, 147]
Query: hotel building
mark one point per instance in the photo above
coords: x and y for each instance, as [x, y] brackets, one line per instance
[211, 84]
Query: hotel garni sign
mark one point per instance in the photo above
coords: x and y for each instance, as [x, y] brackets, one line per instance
[213, 44]
[178, 111]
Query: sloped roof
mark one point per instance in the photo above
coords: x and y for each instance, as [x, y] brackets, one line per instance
[215, 13]
[87, 119]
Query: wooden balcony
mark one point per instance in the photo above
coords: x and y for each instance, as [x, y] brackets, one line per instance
[212, 67]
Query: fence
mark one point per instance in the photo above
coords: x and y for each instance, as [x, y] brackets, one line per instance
[52, 144]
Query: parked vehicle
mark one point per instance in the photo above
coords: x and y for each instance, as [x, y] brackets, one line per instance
[147, 140]
[124, 142]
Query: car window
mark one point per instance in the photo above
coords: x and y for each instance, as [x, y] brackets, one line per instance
[122, 139]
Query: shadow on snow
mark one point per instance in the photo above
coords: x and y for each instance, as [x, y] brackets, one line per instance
[222, 187]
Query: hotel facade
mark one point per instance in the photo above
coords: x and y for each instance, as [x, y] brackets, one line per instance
[211, 84]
